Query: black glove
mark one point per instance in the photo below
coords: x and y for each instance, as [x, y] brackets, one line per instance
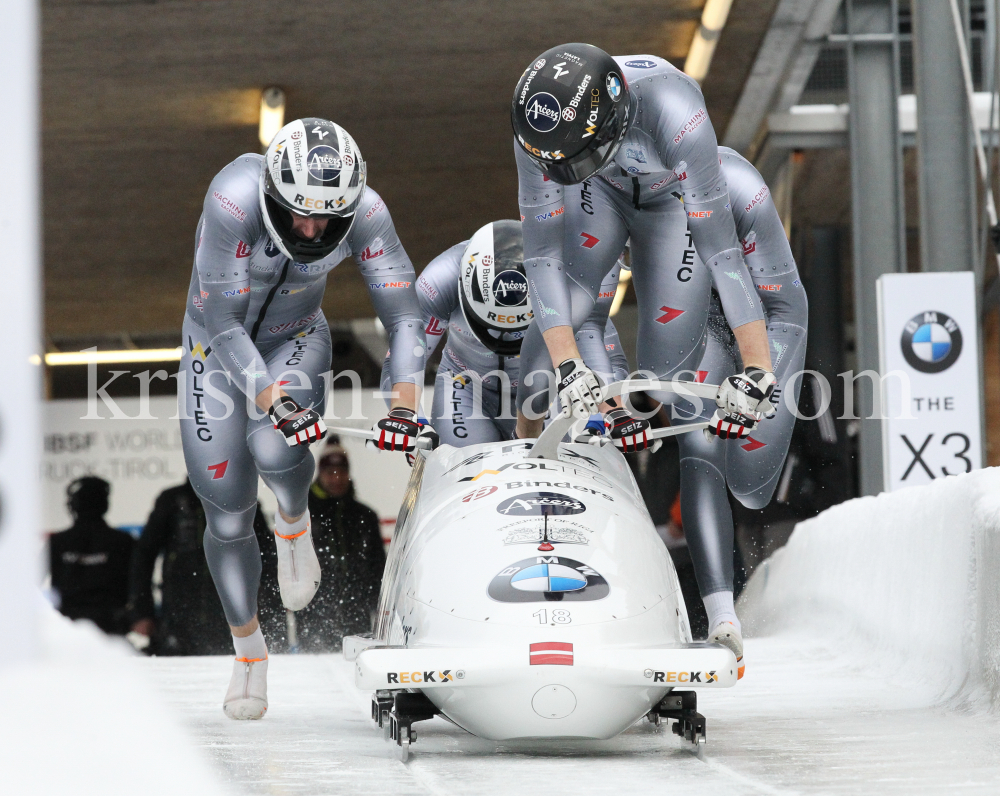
[629, 433]
[396, 432]
[299, 426]
[726, 426]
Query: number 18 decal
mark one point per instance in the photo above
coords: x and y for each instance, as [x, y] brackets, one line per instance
[560, 616]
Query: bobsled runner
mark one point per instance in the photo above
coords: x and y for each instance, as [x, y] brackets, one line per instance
[528, 595]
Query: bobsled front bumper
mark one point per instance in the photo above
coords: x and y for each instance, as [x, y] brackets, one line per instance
[568, 692]
[688, 666]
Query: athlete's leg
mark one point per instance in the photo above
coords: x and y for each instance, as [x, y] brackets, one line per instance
[222, 473]
[707, 516]
[453, 412]
[596, 232]
[299, 364]
[673, 290]
[753, 468]
[288, 470]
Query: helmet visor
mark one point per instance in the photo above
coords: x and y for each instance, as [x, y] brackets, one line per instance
[302, 250]
[594, 156]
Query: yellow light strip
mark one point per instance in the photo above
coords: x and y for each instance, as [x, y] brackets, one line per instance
[620, 291]
[713, 20]
[110, 357]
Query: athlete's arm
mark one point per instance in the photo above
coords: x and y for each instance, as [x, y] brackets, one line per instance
[542, 220]
[391, 279]
[765, 245]
[223, 262]
[691, 149]
[437, 292]
[590, 339]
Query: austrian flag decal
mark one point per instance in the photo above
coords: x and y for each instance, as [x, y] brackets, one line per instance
[551, 653]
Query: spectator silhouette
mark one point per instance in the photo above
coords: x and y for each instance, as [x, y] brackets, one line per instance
[89, 562]
[190, 620]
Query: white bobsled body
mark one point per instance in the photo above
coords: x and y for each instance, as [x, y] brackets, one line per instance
[531, 598]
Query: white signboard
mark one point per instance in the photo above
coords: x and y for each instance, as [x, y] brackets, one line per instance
[929, 362]
[142, 457]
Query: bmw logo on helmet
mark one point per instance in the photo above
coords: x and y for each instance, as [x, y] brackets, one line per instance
[931, 342]
[547, 578]
[614, 86]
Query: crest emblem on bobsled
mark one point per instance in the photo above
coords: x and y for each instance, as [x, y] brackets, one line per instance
[547, 578]
[538, 504]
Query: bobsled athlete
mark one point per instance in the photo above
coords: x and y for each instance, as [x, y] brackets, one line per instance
[474, 296]
[752, 467]
[271, 230]
[604, 147]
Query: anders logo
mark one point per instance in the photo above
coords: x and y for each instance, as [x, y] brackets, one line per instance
[547, 578]
[538, 504]
[324, 163]
[931, 342]
[510, 289]
[543, 112]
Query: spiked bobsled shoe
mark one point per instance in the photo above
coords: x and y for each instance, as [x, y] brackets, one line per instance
[247, 694]
[298, 566]
[728, 635]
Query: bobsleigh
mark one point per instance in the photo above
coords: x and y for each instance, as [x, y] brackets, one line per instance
[527, 595]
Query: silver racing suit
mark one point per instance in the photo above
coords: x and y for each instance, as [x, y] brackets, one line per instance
[473, 402]
[750, 467]
[573, 234]
[254, 318]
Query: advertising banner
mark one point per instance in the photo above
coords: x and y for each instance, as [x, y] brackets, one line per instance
[929, 364]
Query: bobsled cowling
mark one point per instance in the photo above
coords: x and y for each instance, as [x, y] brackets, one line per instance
[536, 593]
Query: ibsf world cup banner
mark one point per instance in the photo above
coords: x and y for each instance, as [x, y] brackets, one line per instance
[929, 364]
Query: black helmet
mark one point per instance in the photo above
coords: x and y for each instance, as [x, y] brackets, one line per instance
[494, 288]
[571, 110]
[88, 497]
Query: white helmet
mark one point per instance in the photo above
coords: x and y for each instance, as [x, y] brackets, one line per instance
[494, 289]
[312, 168]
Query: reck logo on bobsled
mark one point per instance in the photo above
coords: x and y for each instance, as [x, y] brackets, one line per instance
[538, 504]
[547, 578]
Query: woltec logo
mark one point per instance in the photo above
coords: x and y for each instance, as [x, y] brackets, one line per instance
[547, 579]
[543, 112]
[538, 504]
[510, 289]
[931, 342]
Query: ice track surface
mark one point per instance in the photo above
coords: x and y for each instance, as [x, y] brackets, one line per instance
[801, 721]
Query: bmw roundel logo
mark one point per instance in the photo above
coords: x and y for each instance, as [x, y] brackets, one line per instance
[931, 342]
[543, 112]
[510, 289]
[614, 84]
[324, 163]
[547, 578]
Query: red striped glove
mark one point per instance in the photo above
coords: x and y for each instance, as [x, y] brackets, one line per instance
[629, 433]
[299, 426]
[396, 432]
[736, 426]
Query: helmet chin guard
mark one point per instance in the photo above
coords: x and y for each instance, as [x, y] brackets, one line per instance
[311, 168]
[494, 288]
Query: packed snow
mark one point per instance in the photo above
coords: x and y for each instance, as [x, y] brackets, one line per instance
[872, 666]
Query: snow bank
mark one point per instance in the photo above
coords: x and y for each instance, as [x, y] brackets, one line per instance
[906, 584]
[84, 720]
